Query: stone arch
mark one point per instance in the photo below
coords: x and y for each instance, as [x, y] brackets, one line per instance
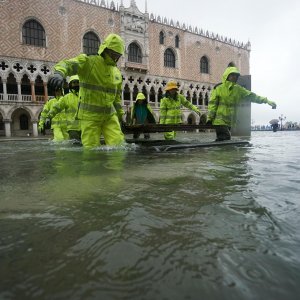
[5, 67]
[16, 107]
[2, 112]
[21, 121]
[191, 118]
[31, 69]
[18, 68]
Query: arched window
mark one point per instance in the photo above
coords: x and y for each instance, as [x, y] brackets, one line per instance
[204, 65]
[33, 33]
[24, 122]
[177, 41]
[12, 87]
[25, 85]
[231, 64]
[134, 53]
[91, 43]
[39, 86]
[169, 58]
[161, 38]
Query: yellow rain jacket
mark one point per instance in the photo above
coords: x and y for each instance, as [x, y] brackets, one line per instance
[100, 83]
[67, 104]
[58, 123]
[170, 112]
[226, 96]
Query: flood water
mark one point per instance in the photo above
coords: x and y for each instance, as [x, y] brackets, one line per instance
[133, 223]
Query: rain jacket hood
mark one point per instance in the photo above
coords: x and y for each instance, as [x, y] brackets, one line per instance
[226, 97]
[113, 42]
[140, 96]
[229, 71]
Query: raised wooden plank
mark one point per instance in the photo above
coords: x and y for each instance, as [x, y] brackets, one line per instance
[150, 128]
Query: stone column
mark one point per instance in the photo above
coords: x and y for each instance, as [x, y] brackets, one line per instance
[45, 91]
[131, 97]
[19, 90]
[35, 129]
[148, 97]
[32, 91]
[156, 98]
[7, 128]
[5, 97]
[122, 97]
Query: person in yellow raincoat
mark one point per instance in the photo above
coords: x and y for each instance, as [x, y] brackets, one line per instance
[223, 103]
[99, 108]
[58, 123]
[170, 105]
[142, 114]
[69, 104]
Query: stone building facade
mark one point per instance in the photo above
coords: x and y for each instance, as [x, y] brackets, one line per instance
[38, 33]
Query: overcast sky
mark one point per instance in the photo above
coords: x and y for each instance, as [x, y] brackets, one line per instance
[272, 27]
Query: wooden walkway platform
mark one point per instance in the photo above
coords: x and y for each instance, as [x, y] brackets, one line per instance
[151, 128]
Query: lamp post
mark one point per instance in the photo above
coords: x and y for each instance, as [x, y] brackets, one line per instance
[281, 118]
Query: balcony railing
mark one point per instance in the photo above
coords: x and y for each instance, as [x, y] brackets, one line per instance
[24, 98]
[41, 99]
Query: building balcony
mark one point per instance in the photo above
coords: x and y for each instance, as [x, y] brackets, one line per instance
[15, 98]
[136, 67]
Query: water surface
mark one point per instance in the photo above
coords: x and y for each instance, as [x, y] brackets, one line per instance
[132, 223]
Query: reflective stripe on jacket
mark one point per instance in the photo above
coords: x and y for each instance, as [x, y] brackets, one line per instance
[59, 120]
[100, 86]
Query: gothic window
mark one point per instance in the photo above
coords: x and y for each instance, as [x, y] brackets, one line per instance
[169, 58]
[126, 92]
[39, 86]
[12, 87]
[25, 85]
[24, 122]
[204, 65]
[176, 41]
[134, 53]
[91, 43]
[161, 38]
[34, 34]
